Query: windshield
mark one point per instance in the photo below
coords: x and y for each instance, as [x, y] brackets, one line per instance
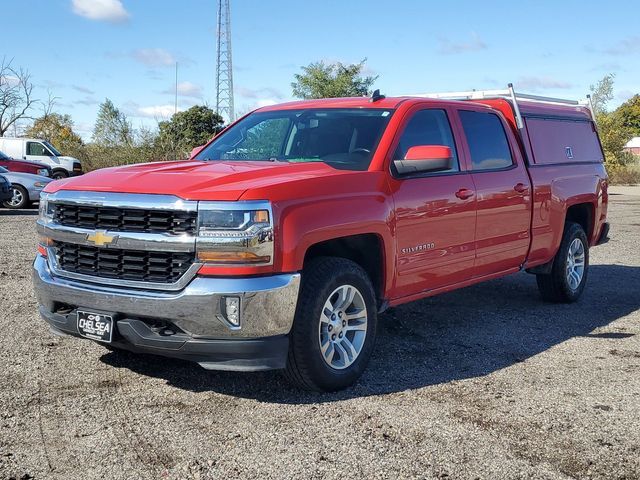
[343, 138]
[3, 156]
[53, 149]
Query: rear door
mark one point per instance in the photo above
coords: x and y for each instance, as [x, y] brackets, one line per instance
[503, 191]
[435, 212]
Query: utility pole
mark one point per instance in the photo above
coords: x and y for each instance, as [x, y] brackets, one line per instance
[224, 66]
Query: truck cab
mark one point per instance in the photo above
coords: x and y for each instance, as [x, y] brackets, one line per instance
[278, 243]
[41, 151]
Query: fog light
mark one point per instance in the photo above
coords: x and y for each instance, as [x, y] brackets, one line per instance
[232, 310]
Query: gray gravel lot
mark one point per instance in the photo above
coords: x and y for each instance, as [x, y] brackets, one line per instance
[487, 382]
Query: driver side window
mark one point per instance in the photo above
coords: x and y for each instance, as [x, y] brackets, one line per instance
[36, 148]
[428, 127]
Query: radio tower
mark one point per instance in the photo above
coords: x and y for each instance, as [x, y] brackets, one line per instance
[224, 69]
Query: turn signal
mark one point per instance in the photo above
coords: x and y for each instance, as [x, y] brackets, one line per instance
[232, 257]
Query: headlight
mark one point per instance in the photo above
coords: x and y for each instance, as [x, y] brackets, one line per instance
[44, 172]
[46, 210]
[235, 233]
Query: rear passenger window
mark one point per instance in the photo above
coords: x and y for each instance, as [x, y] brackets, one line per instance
[428, 127]
[487, 140]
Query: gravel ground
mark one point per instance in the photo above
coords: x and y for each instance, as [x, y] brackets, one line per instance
[486, 382]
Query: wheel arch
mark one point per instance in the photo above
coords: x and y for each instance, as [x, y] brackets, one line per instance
[365, 249]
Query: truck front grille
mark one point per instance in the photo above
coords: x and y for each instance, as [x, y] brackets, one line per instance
[126, 219]
[134, 265]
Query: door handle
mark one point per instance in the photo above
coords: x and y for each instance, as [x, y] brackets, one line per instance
[521, 188]
[464, 193]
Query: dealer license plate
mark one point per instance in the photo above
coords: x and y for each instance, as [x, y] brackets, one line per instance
[95, 326]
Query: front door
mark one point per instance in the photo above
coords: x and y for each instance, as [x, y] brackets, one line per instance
[38, 152]
[435, 212]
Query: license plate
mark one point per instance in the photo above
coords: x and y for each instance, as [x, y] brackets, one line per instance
[95, 326]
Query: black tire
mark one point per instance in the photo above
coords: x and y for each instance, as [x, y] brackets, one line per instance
[555, 287]
[59, 174]
[306, 366]
[24, 198]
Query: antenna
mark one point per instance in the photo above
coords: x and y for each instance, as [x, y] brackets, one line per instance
[224, 67]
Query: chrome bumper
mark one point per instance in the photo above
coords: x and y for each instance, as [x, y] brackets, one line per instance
[267, 303]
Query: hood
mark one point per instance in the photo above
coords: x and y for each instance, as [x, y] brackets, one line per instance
[25, 178]
[194, 180]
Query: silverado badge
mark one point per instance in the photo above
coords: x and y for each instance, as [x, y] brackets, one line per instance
[101, 238]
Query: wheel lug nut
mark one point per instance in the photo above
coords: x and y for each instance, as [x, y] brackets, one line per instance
[340, 335]
[333, 337]
[344, 323]
[333, 317]
[330, 327]
[340, 314]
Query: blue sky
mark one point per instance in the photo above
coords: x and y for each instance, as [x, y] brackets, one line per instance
[86, 50]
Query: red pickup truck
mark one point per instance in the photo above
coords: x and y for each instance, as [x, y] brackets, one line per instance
[281, 241]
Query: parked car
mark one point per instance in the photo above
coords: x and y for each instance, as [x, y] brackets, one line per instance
[278, 244]
[25, 188]
[24, 166]
[41, 151]
[5, 189]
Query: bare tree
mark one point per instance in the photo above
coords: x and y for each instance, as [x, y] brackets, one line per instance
[16, 95]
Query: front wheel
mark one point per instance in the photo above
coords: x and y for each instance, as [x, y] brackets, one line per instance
[570, 267]
[19, 199]
[335, 326]
[59, 175]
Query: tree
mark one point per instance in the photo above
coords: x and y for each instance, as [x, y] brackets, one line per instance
[628, 115]
[112, 128]
[613, 134]
[602, 93]
[186, 130]
[322, 80]
[58, 130]
[16, 95]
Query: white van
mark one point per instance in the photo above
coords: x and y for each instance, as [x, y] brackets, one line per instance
[36, 150]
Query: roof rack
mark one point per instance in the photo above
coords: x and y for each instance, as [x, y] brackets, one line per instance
[510, 94]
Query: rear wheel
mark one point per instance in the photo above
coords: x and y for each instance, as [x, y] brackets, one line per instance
[20, 198]
[335, 326]
[570, 267]
[59, 174]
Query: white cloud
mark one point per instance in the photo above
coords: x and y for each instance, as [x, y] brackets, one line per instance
[626, 46]
[104, 10]
[156, 111]
[265, 102]
[185, 89]
[154, 57]
[259, 93]
[541, 83]
[449, 47]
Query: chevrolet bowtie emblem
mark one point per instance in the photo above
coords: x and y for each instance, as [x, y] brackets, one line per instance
[101, 238]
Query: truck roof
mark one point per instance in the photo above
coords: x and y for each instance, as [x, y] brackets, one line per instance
[503, 105]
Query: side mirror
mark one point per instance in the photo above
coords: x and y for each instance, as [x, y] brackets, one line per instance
[425, 158]
[196, 151]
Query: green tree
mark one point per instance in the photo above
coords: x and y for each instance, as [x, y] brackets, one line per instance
[613, 134]
[58, 130]
[628, 115]
[322, 80]
[186, 130]
[602, 93]
[112, 128]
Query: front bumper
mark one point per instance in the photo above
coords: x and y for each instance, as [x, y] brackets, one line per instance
[194, 316]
